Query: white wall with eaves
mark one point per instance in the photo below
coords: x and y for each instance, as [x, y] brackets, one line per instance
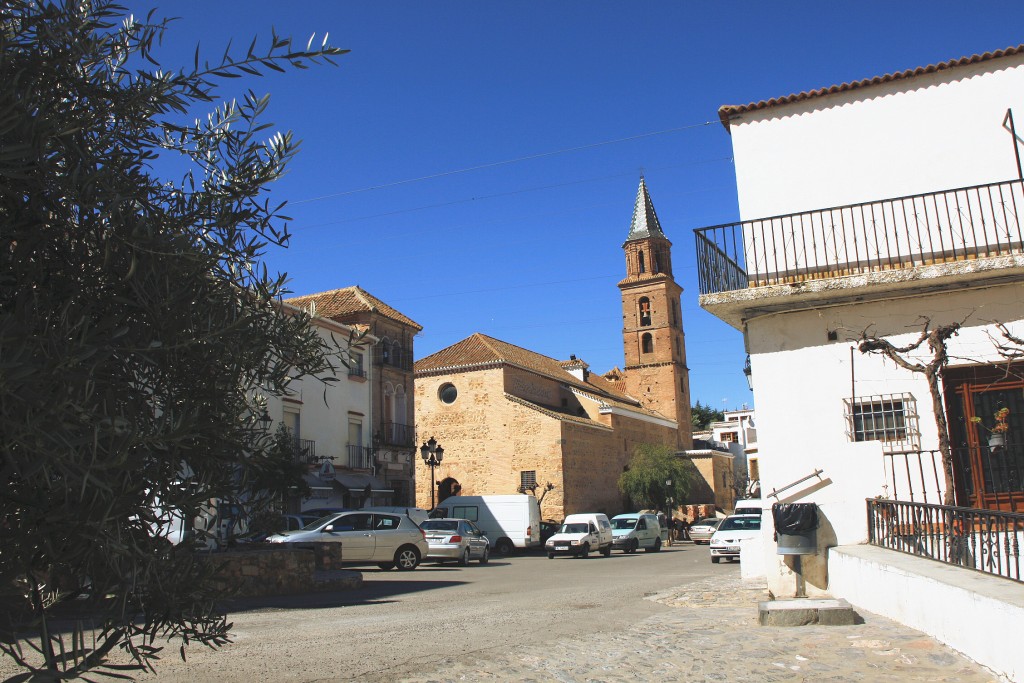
[325, 409]
[801, 380]
[932, 132]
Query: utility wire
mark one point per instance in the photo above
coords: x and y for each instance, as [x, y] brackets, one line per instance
[505, 162]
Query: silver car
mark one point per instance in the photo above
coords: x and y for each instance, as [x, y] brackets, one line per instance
[703, 530]
[455, 539]
[389, 540]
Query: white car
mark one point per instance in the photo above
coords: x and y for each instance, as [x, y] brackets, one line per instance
[389, 540]
[581, 533]
[635, 530]
[733, 529]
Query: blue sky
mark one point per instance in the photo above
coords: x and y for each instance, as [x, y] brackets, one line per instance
[475, 164]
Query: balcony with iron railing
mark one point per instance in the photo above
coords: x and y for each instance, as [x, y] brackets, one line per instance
[359, 457]
[391, 357]
[951, 226]
[305, 451]
[395, 434]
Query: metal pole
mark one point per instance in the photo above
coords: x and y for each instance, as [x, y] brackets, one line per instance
[432, 465]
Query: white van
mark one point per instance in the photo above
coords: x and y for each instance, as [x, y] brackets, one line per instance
[581, 533]
[749, 506]
[509, 522]
[635, 530]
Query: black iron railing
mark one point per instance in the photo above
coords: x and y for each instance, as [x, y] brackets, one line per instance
[914, 476]
[396, 358]
[987, 541]
[395, 434]
[305, 451]
[924, 229]
[360, 457]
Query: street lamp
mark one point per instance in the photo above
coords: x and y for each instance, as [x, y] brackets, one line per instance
[668, 508]
[432, 454]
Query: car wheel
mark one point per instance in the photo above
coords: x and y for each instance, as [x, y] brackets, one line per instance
[606, 551]
[551, 556]
[486, 556]
[714, 560]
[634, 546]
[407, 558]
[464, 560]
[585, 551]
[386, 566]
[504, 546]
[656, 547]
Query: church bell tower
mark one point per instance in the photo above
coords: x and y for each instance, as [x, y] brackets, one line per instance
[652, 321]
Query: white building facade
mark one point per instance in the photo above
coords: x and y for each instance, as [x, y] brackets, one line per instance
[331, 423]
[872, 208]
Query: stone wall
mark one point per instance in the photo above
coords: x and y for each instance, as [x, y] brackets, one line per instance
[281, 569]
[489, 440]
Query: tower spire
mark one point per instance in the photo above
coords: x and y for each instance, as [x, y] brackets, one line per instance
[645, 221]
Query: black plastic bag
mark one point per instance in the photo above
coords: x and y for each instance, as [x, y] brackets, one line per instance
[795, 518]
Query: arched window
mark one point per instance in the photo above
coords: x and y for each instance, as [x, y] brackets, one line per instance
[396, 354]
[647, 343]
[644, 306]
[643, 264]
[654, 262]
[675, 312]
[679, 348]
[385, 351]
[401, 410]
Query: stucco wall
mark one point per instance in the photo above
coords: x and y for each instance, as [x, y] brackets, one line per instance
[324, 408]
[801, 379]
[932, 132]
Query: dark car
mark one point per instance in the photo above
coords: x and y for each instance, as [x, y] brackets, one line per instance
[547, 530]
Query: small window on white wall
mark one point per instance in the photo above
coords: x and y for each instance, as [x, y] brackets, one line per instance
[889, 418]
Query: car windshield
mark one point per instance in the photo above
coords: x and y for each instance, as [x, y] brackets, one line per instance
[741, 523]
[707, 522]
[623, 523]
[574, 528]
[439, 525]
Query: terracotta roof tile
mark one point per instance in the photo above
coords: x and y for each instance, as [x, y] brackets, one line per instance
[479, 351]
[339, 303]
[727, 111]
[550, 412]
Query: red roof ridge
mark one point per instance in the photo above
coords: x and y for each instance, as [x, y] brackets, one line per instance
[727, 111]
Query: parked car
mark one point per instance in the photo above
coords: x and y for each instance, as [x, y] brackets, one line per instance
[548, 529]
[510, 521]
[455, 539]
[317, 513]
[418, 515]
[581, 533]
[726, 540]
[279, 524]
[702, 530]
[635, 530]
[387, 539]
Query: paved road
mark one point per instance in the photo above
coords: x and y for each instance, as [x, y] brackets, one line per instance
[670, 616]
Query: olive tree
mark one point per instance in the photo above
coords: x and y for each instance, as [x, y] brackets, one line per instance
[140, 330]
[650, 468]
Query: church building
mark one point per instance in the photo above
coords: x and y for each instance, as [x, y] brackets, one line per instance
[511, 420]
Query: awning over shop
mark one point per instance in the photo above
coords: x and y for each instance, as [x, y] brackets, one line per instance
[357, 483]
[315, 482]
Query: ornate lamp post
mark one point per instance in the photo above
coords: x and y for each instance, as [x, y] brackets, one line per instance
[668, 508]
[432, 454]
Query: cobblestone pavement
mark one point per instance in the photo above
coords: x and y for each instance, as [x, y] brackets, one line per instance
[712, 634]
